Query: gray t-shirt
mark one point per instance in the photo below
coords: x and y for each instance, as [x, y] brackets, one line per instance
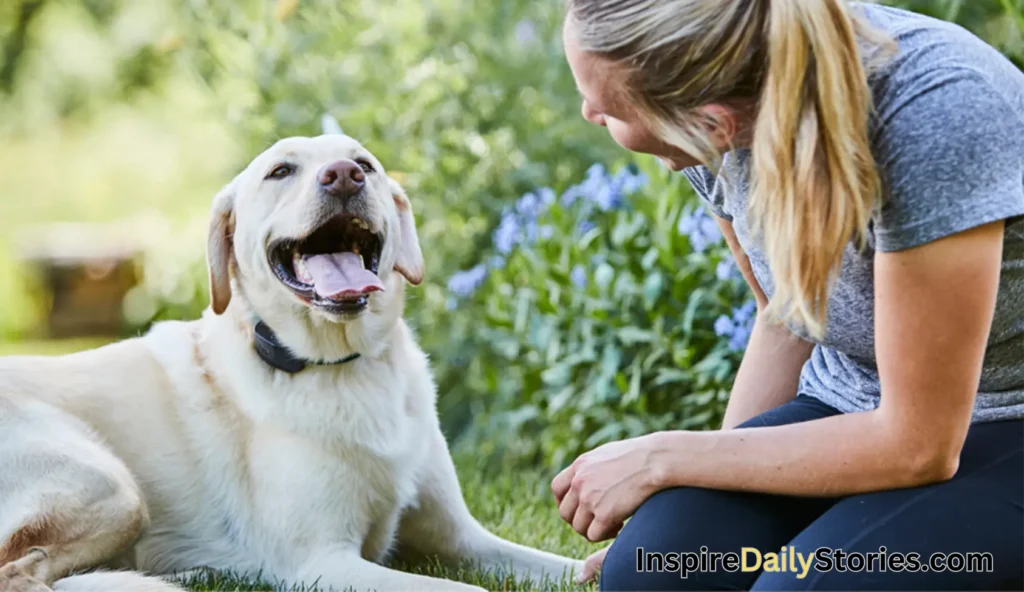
[948, 135]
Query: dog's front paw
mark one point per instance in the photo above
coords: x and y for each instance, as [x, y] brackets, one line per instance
[15, 576]
[588, 569]
[581, 572]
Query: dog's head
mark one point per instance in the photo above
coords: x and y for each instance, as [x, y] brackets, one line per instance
[313, 230]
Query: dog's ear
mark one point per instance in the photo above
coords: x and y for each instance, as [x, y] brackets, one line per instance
[409, 260]
[219, 250]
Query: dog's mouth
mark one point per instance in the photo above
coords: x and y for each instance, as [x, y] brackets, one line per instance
[335, 267]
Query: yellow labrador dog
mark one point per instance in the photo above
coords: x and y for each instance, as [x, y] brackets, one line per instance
[290, 432]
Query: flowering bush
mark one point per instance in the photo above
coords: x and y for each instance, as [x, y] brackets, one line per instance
[604, 313]
[601, 304]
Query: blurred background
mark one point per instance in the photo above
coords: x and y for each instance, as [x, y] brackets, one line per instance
[575, 295]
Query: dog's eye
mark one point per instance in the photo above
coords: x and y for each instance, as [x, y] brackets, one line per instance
[281, 171]
[365, 164]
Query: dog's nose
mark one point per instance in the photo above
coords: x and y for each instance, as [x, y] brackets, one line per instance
[343, 179]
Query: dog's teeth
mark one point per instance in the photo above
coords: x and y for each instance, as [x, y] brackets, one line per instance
[301, 271]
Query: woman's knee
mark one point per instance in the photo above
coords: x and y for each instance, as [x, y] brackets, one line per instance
[656, 551]
[679, 537]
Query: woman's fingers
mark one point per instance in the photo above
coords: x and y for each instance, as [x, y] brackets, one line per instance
[600, 530]
[581, 521]
[561, 483]
[569, 505]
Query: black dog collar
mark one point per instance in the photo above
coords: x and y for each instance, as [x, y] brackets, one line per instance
[278, 356]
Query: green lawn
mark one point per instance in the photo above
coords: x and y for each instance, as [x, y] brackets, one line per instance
[515, 505]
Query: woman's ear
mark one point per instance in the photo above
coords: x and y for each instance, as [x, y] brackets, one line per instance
[219, 249]
[409, 260]
[723, 124]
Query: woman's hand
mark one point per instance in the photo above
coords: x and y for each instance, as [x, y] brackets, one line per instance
[602, 488]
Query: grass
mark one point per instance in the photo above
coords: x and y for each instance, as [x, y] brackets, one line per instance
[512, 504]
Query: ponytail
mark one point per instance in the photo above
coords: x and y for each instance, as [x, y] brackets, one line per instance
[814, 182]
[813, 177]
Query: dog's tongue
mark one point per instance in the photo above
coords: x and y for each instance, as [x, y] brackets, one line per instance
[341, 275]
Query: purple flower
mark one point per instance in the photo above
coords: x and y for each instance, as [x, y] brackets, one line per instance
[744, 314]
[710, 228]
[606, 198]
[598, 187]
[532, 231]
[585, 226]
[526, 32]
[507, 234]
[728, 270]
[529, 206]
[739, 339]
[724, 326]
[686, 225]
[724, 270]
[571, 195]
[578, 276]
[700, 228]
[520, 222]
[627, 182]
[464, 283]
[738, 327]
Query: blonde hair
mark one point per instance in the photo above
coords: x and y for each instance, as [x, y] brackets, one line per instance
[813, 181]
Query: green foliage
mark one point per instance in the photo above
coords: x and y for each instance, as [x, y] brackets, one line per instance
[469, 101]
[67, 59]
[554, 324]
[596, 319]
[471, 105]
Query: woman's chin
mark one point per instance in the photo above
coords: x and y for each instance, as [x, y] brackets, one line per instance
[672, 164]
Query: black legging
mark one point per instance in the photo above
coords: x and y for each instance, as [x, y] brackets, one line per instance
[980, 510]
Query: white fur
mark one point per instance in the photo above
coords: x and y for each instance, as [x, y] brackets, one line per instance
[181, 449]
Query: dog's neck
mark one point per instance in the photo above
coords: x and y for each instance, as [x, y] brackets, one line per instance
[291, 342]
[277, 356]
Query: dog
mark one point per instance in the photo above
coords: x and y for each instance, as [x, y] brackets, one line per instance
[290, 432]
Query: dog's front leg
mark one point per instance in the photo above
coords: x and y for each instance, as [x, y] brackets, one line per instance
[345, 570]
[441, 525]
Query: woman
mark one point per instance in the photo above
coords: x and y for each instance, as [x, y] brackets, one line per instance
[871, 187]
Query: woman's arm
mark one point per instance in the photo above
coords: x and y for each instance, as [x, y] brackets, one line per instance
[934, 309]
[934, 306]
[770, 369]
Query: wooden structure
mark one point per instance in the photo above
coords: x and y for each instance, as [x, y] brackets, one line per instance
[84, 271]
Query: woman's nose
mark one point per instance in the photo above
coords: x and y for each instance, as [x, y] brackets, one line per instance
[592, 116]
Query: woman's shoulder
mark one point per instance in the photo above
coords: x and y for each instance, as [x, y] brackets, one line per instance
[947, 130]
[936, 58]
